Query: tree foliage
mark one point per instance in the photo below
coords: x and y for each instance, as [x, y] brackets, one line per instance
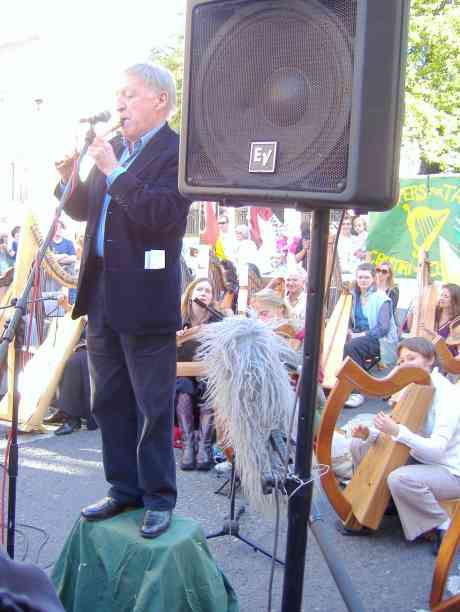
[432, 120]
[172, 57]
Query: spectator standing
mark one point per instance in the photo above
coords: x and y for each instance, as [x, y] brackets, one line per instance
[226, 239]
[65, 253]
[12, 248]
[63, 248]
[345, 249]
[245, 253]
[5, 262]
[303, 245]
[359, 240]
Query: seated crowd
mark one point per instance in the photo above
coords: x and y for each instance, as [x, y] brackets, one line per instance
[433, 470]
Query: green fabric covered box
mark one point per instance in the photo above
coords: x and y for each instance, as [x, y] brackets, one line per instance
[106, 566]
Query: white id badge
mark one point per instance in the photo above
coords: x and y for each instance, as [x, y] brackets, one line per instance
[154, 260]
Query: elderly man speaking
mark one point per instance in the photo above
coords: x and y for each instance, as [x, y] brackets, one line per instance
[129, 286]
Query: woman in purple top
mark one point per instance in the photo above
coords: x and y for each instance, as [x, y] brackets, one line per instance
[447, 317]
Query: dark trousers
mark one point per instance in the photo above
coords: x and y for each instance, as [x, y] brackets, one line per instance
[132, 387]
[362, 348]
[74, 388]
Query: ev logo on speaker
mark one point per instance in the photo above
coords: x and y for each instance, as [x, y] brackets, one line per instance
[263, 157]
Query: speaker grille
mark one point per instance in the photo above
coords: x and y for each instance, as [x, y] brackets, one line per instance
[271, 71]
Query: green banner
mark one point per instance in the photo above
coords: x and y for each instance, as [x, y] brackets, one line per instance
[427, 216]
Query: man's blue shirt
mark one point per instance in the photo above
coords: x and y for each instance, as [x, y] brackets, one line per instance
[126, 159]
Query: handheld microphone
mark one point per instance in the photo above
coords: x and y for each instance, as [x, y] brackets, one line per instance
[100, 117]
[210, 309]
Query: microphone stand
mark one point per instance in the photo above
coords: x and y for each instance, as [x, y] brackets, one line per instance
[11, 333]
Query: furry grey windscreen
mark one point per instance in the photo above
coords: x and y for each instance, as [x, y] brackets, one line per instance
[271, 71]
[249, 390]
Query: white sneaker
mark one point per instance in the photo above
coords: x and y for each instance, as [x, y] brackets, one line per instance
[223, 467]
[355, 400]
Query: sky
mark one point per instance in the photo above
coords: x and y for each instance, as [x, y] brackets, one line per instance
[69, 55]
[74, 50]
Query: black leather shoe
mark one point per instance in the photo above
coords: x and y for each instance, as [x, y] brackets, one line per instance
[58, 416]
[91, 424]
[155, 523]
[106, 508]
[67, 428]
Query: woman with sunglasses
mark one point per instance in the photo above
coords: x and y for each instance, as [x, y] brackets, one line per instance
[385, 282]
[372, 334]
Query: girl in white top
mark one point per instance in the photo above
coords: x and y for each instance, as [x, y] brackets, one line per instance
[433, 470]
[359, 240]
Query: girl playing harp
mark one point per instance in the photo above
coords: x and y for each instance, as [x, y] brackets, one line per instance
[433, 470]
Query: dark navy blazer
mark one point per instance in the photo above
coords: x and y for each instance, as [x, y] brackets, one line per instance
[146, 212]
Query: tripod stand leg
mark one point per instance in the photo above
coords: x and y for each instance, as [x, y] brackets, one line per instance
[231, 525]
[257, 548]
[217, 534]
[222, 487]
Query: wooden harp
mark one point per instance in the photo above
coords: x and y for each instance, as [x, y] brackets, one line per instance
[448, 362]
[364, 501]
[451, 540]
[426, 300]
[51, 355]
[335, 336]
[224, 281]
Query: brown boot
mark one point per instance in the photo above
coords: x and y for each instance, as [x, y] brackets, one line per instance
[185, 417]
[204, 460]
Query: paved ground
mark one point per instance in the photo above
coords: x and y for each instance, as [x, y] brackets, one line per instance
[58, 475]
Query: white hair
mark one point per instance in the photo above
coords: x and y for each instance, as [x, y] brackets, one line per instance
[243, 229]
[158, 79]
[297, 272]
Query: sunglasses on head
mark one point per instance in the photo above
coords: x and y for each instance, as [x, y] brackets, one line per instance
[382, 270]
[222, 222]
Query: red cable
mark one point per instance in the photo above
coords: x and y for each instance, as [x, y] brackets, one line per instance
[32, 310]
[5, 471]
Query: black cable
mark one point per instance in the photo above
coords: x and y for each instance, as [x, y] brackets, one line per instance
[30, 302]
[46, 538]
[276, 493]
[26, 539]
[293, 477]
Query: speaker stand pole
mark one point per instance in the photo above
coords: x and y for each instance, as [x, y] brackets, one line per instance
[299, 511]
[300, 504]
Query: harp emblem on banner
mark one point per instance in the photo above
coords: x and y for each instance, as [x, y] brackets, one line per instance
[424, 225]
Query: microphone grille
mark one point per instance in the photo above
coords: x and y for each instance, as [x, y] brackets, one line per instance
[105, 116]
